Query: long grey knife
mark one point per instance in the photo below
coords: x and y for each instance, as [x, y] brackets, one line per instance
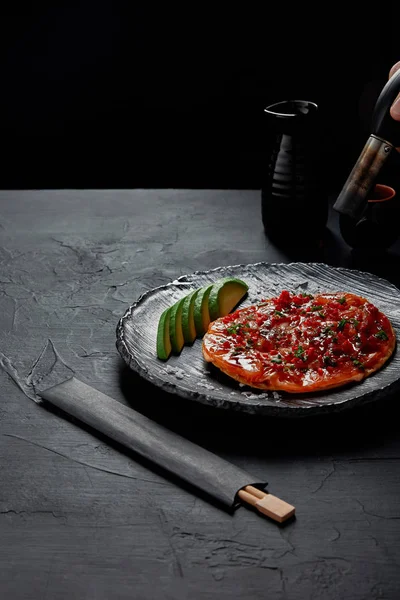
[204, 470]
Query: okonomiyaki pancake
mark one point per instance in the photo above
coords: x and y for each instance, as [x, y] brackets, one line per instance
[301, 342]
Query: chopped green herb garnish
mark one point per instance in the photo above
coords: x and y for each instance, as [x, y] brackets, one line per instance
[329, 361]
[355, 322]
[342, 300]
[299, 353]
[279, 313]
[276, 360]
[234, 328]
[237, 350]
[318, 307]
[327, 330]
[335, 340]
[381, 335]
[341, 324]
[303, 295]
[321, 314]
[357, 363]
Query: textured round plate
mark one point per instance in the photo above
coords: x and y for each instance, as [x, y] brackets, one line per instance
[191, 377]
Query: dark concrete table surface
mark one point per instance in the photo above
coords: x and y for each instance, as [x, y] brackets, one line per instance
[82, 518]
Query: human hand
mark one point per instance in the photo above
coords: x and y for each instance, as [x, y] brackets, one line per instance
[395, 108]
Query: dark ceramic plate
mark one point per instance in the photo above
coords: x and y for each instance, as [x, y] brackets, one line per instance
[191, 377]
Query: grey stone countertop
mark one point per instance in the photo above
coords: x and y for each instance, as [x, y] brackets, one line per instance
[82, 518]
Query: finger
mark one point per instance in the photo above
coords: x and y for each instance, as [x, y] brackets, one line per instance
[395, 109]
[394, 69]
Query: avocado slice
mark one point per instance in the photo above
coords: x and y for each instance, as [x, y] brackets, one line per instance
[225, 295]
[190, 316]
[188, 326]
[164, 347]
[175, 326]
[201, 313]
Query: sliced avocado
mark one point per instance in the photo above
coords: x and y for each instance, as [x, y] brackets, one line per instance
[225, 295]
[190, 316]
[164, 347]
[175, 326]
[188, 326]
[201, 314]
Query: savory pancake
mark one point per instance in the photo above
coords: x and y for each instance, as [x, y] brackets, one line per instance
[301, 342]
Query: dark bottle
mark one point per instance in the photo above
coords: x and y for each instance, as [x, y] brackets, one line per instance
[294, 205]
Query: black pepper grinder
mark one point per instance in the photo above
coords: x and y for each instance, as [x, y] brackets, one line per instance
[353, 199]
[293, 203]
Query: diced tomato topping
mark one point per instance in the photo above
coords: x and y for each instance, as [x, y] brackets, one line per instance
[265, 345]
[284, 299]
[311, 354]
[346, 347]
[300, 299]
[370, 316]
[261, 319]
[372, 344]
[298, 363]
[228, 318]
[332, 313]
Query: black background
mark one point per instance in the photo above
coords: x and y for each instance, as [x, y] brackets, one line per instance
[105, 94]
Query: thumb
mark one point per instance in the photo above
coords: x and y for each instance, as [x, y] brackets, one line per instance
[394, 69]
[395, 108]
